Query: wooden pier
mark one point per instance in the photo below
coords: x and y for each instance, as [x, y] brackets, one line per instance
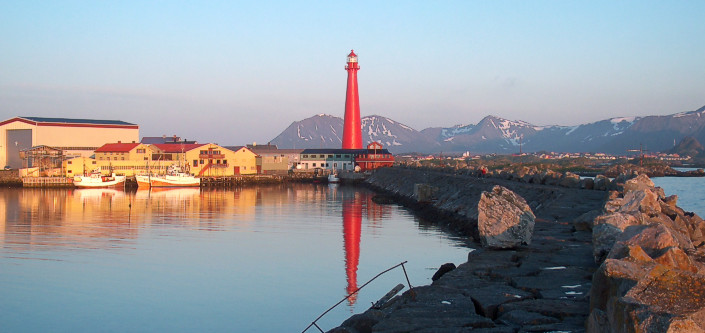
[47, 182]
[206, 182]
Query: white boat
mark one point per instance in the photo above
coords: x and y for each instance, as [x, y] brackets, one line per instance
[96, 180]
[174, 177]
[142, 181]
[333, 178]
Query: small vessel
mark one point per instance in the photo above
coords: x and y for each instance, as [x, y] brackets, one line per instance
[174, 177]
[97, 180]
[333, 178]
[142, 181]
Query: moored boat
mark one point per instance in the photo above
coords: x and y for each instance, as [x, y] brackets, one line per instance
[173, 178]
[96, 180]
[142, 181]
[333, 178]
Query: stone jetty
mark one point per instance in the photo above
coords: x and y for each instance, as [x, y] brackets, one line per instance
[584, 268]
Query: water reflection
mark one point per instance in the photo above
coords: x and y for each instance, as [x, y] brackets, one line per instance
[353, 205]
[191, 259]
[352, 224]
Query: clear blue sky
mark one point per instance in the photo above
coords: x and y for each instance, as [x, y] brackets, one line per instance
[236, 72]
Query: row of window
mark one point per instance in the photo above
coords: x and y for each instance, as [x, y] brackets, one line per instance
[69, 162]
[324, 156]
[196, 162]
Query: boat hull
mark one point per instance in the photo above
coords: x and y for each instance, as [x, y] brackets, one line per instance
[142, 181]
[166, 182]
[101, 182]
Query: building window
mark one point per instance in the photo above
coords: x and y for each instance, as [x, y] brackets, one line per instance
[146, 158]
[70, 171]
[93, 162]
[140, 151]
[69, 162]
[322, 156]
[337, 156]
[314, 165]
[195, 163]
[225, 162]
[305, 156]
[200, 162]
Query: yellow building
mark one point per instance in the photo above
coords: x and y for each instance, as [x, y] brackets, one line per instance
[213, 160]
[131, 159]
[76, 137]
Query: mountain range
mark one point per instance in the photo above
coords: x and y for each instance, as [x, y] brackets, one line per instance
[496, 135]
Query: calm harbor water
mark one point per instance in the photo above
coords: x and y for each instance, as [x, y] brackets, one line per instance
[690, 191]
[266, 259]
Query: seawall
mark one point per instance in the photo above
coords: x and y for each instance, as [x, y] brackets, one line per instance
[617, 257]
[540, 287]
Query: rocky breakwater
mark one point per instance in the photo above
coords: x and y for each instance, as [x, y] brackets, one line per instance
[533, 274]
[652, 272]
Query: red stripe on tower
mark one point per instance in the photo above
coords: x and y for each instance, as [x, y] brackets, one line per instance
[352, 129]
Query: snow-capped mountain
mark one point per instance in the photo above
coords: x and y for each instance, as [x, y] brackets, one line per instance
[497, 135]
[326, 131]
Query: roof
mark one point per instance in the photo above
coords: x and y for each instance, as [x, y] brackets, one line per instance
[233, 148]
[78, 121]
[344, 151]
[352, 54]
[333, 151]
[165, 139]
[176, 147]
[117, 147]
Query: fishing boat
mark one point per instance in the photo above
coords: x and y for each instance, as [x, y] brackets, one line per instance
[142, 181]
[97, 180]
[333, 178]
[174, 177]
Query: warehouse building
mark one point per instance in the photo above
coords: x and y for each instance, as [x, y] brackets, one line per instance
[75, 137]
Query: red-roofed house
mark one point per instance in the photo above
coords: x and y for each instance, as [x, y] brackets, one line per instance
[122, 158]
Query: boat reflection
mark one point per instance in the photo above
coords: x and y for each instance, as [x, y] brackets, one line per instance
[103, 218]
[96, 195]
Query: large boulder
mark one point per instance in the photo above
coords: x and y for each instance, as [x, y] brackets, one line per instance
[504, 219]
[570, 180]
[640, 201]
[640, 182]
[601, 183]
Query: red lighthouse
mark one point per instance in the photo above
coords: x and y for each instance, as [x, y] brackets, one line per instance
[352, 129]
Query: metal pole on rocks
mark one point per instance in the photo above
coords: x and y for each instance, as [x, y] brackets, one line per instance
[313, 323]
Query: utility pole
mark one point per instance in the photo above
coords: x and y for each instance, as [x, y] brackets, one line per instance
[641, 151]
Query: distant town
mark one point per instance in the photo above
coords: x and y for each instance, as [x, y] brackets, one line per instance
[69, 147]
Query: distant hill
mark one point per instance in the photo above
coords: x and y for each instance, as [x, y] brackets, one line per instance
[497, 135]
[689, 146]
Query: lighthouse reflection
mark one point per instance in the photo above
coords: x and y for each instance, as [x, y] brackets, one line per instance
[354, 203]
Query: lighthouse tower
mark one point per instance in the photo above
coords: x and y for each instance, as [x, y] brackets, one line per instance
[352, 129]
